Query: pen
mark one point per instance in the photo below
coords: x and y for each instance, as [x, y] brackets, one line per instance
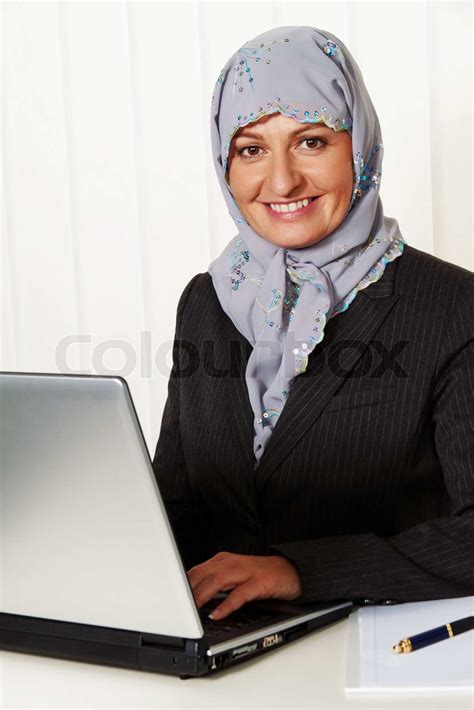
[434, 635]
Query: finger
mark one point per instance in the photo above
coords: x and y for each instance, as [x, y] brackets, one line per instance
[197, 573]
[243, 593]
[212, 584]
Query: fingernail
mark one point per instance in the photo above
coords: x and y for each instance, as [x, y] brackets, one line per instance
[214, 614]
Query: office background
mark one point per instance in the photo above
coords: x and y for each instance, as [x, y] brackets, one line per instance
[110, 203]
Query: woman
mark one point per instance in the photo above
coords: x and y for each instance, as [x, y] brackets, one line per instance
[317, 441]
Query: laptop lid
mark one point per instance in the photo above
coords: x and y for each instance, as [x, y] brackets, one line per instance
[84, 535]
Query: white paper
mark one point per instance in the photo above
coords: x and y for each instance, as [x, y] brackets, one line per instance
[374, 630]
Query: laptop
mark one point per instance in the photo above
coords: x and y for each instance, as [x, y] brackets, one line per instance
[90, 569]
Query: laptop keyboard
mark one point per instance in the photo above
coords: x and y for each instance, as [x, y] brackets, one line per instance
[240, 622]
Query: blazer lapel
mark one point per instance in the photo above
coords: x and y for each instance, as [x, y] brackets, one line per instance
[240, 406]
[313, 389]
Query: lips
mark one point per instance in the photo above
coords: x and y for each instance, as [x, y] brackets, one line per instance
[296, 214]
[300, 199]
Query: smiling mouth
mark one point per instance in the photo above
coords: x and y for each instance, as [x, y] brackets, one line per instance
[291, 210]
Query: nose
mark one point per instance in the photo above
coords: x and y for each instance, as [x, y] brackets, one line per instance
[284, 176]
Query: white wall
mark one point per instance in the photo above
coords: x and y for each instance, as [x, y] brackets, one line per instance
[108, 176]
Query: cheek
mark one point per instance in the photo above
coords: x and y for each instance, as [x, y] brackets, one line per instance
[340, 180]
[338, 170]
[238, 185]
[244, 190]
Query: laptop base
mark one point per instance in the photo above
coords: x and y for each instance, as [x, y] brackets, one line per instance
[186, 658]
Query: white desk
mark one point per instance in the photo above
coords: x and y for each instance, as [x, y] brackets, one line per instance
[308, 673]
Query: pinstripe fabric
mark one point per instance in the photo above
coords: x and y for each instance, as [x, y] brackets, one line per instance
[367, 483]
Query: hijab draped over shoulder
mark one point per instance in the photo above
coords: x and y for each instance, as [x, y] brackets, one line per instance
[280, 299]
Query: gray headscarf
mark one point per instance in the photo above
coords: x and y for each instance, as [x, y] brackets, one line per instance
[280, 299]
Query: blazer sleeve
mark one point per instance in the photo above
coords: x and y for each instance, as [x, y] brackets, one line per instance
[169, 464]
[433, 559]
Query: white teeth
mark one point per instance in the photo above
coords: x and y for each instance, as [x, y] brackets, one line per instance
[292, 206]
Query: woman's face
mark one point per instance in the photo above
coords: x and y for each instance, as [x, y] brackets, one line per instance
[279, 161]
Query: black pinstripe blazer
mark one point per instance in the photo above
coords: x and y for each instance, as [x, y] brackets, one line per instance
[367, 483]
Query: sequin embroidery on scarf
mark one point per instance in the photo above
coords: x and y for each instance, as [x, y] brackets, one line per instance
[330, 48]
[237, 260]
[266, 415]
[291, 299]
[306, 276]
[301, 358]
[251, 52]
[366, 177]
[318, 328]
[274, 305]
[395, 249]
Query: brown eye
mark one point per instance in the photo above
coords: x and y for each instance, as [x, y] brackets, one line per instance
[240, 151]
[317, 140]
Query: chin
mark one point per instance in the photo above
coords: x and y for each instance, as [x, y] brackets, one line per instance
[287, 242]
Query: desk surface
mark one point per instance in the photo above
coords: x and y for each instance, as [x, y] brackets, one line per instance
[308, 673]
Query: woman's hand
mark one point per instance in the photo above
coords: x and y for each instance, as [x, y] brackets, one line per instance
[250, 577]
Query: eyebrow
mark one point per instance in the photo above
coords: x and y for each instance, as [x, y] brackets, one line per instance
[297, 131]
